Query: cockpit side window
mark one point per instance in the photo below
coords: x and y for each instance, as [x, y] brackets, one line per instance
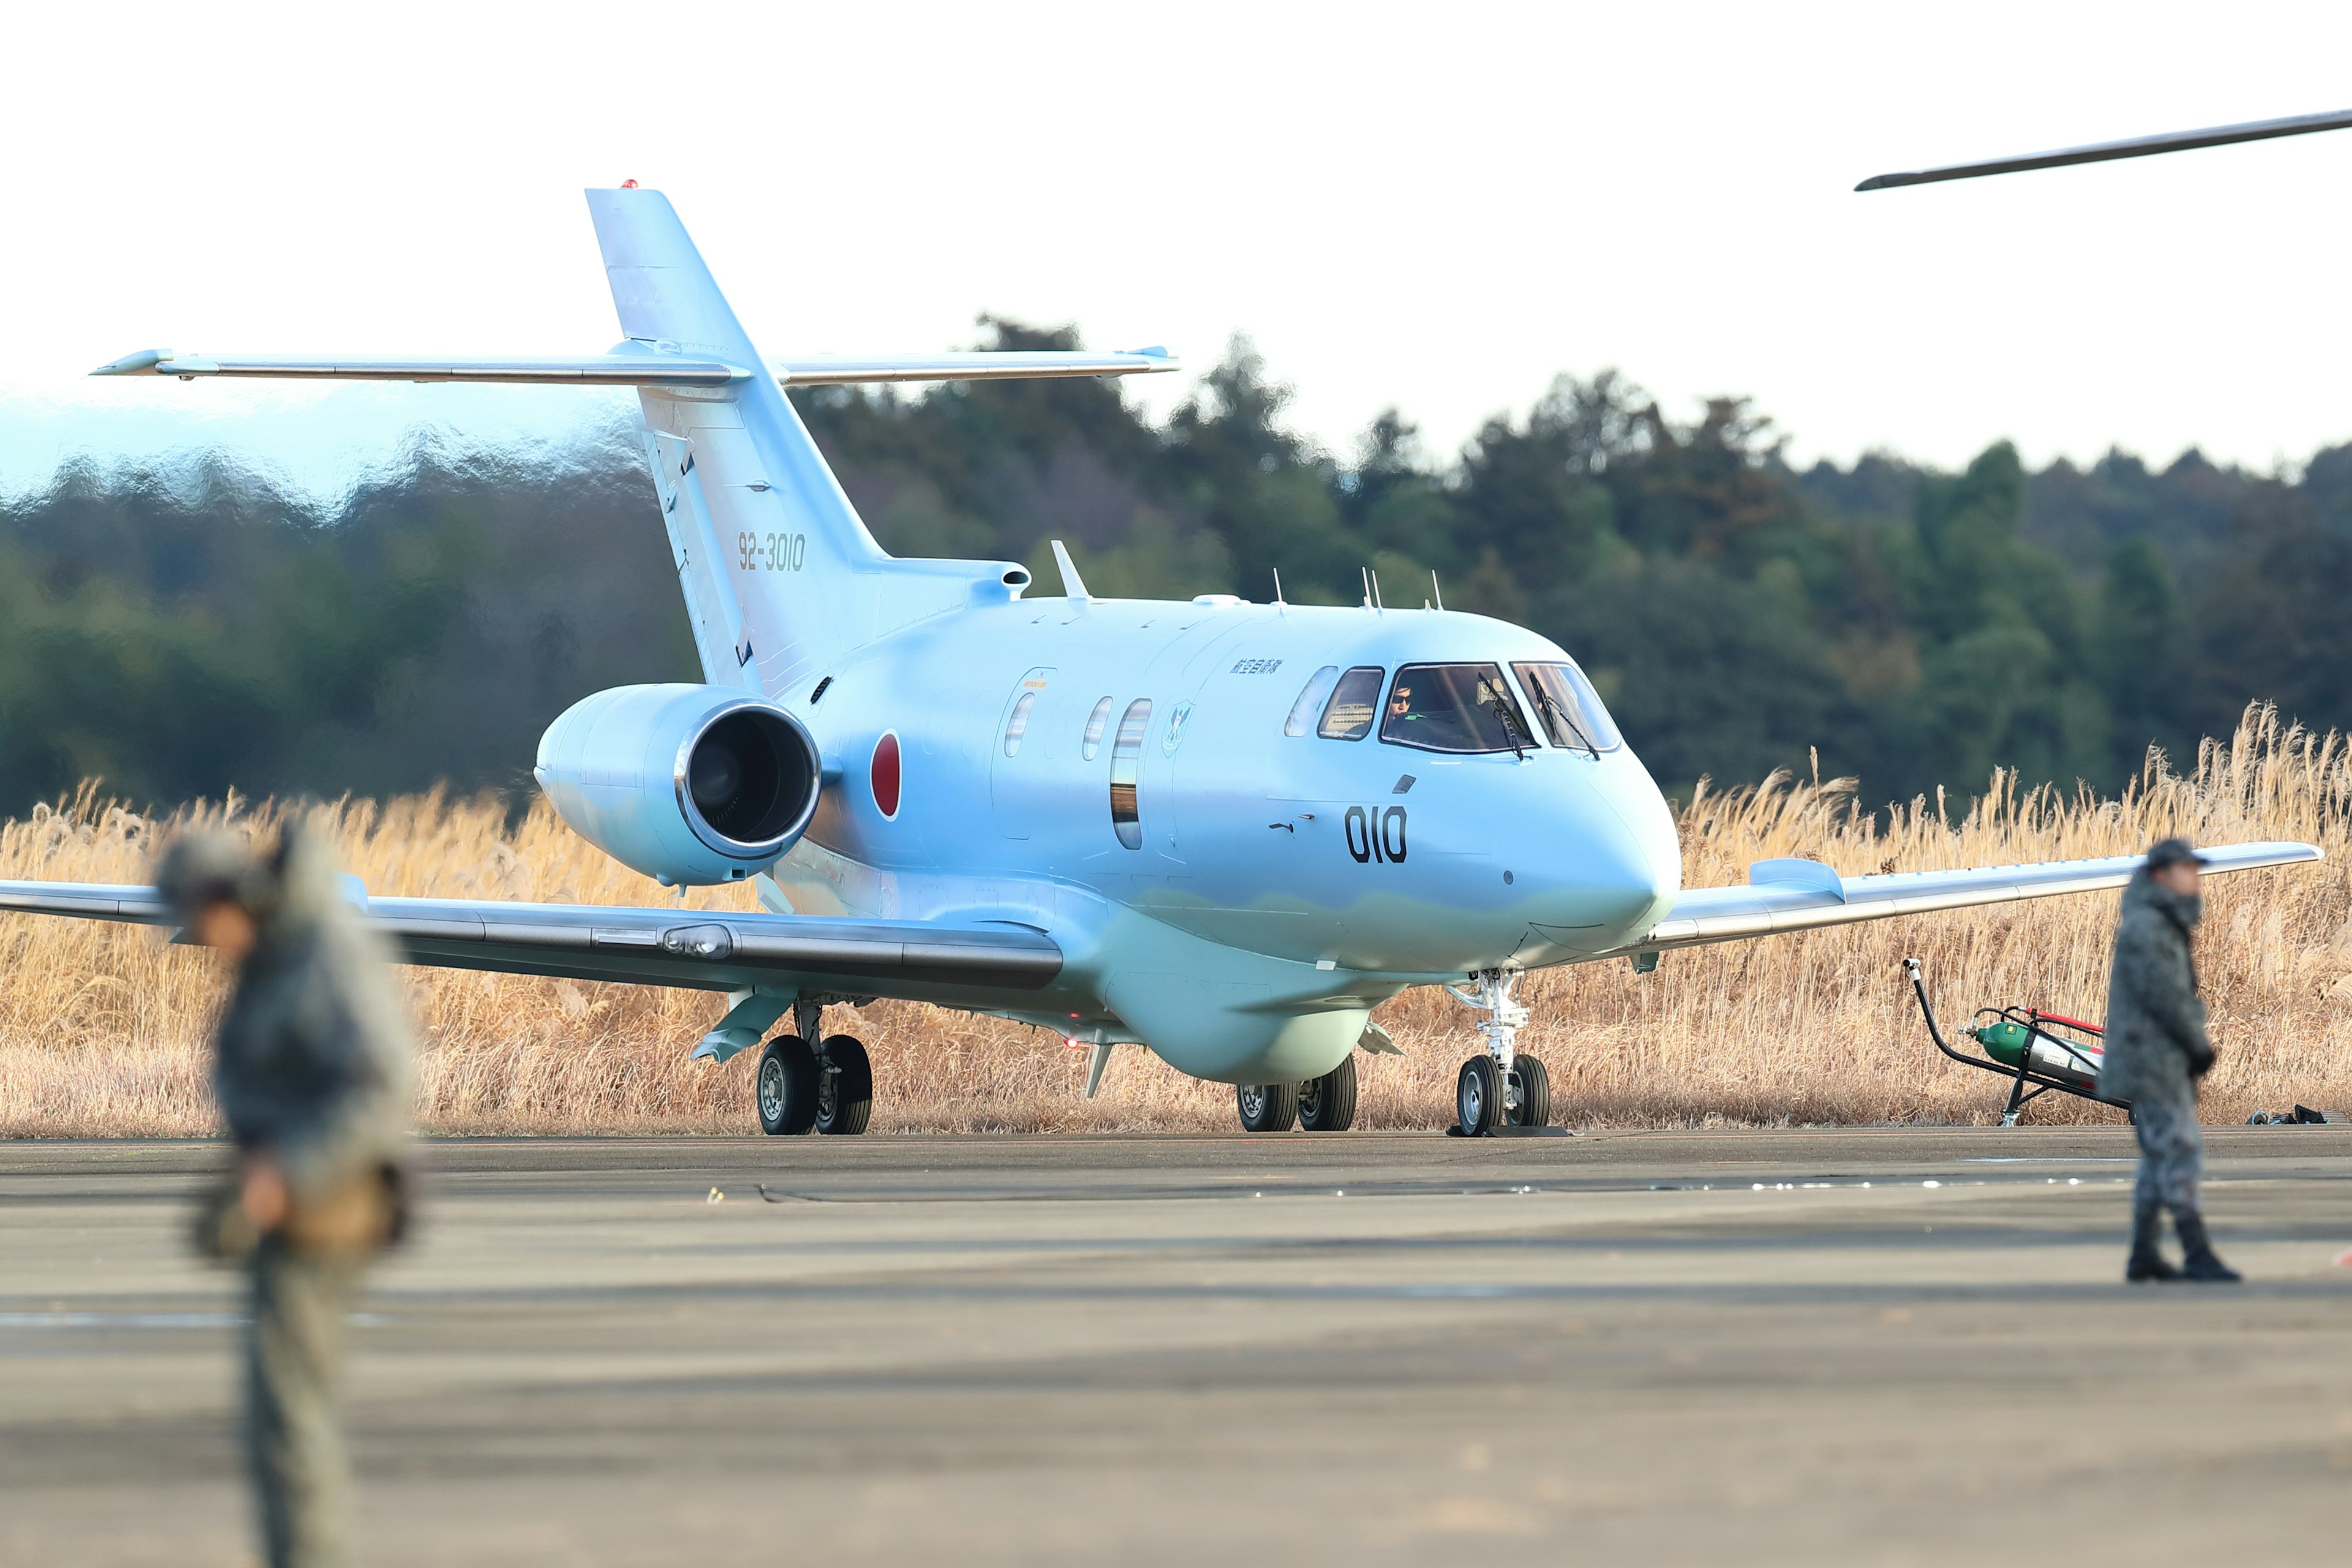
[1570, 710]
[1310, 700]
[1455, 707]
[1355, 703]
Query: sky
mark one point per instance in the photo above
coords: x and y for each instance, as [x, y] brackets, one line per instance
[1432, 207]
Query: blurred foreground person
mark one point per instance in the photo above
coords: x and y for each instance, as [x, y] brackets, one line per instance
[312, 1072]
[2156, 1050]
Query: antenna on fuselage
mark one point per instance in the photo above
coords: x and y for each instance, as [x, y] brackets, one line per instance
[1435, 589]
[1376, 591]
[1073, 585]
[1366, 572]
[1277, 585]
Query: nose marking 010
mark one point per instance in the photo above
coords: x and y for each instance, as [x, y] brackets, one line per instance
[1376, 834]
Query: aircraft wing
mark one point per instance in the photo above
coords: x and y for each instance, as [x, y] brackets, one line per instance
[1800, 895]
[708, 949]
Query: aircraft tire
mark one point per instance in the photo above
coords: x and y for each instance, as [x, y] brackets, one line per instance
[1327, 1104]
[1479, 1096]
[845, 1093]
[783, 1090]
[1267, 1106]
[1535, 1093]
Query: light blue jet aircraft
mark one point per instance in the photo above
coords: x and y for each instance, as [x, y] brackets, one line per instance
[1221, 830]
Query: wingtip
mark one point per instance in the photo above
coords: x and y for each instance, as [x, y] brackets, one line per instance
[1877, 183]
[140, 364]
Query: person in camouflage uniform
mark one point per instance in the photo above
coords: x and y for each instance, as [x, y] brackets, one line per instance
[2157, 1049]
[312, 1072]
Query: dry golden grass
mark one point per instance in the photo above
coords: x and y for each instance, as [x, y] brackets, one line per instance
[103, 1028]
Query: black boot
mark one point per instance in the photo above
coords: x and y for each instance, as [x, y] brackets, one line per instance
[2196, 1259]
[2147, 1253]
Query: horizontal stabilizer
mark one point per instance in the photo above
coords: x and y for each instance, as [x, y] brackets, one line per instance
[592, 370]
[1781, 897]
[987, 366]
[642, 369]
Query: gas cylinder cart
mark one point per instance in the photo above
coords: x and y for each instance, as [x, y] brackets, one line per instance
[2028, 1047]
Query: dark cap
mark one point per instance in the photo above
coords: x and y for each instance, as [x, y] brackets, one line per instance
[2172, 852]
[204, 866]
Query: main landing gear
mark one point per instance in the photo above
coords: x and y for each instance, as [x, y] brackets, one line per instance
[828, 1088]
[1503, 1089]
[1326, 1104]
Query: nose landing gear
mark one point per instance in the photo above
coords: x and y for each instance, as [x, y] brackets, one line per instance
[1502, 1091]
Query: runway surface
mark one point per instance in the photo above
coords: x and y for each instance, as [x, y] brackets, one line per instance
[1870, 1346]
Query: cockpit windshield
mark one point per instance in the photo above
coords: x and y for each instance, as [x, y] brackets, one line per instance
[1455, 707]
[1570, 710]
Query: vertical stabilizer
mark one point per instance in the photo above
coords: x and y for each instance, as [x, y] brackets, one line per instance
[779, 575]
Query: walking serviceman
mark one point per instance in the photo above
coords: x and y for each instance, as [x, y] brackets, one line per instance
[312, 1072]
[2157, 1049]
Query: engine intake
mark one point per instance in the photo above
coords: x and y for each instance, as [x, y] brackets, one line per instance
[689, 784]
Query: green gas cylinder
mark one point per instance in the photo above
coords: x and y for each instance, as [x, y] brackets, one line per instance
[2006, 1040]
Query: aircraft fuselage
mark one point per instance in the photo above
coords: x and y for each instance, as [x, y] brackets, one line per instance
[1294, 881]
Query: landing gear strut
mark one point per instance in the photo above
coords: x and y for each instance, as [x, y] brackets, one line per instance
[1501, 1088]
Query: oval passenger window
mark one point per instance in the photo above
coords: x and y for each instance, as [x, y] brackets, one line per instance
[1095, 721]
[1018, 725]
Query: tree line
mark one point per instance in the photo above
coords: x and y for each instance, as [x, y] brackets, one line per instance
[187, 628]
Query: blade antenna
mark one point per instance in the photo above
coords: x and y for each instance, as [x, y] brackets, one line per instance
[1376, 591]
[1277, 585]
[1366, 572]
[1435, 589]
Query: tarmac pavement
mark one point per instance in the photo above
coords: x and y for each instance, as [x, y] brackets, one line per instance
[1883, 1345]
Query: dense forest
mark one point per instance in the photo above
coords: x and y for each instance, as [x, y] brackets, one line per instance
[188, 629]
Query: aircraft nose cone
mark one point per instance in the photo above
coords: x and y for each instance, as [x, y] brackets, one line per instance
[1615, 878]
[1622, 880]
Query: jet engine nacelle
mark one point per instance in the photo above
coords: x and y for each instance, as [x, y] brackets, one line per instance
[687, 784]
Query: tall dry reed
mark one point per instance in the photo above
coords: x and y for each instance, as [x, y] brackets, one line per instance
[101, 1027]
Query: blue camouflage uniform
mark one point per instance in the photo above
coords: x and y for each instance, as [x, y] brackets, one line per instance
[312, 1072]
[2157, 1049]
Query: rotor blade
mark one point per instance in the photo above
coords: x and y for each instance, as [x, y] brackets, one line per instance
[2135, 147]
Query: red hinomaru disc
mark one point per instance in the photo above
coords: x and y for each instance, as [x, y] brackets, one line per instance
[885, 773]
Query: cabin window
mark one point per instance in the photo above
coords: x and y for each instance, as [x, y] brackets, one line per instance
[1568, 706]
[1095, 723]
[1455, 707]
[1018, 724]
[1125, 761]
[1310, 700]
[1355, 703]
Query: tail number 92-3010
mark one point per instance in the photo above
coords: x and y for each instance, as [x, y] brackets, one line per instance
[771, 551]
[1376, 834]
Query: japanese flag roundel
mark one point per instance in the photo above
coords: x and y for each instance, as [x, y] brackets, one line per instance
[885, 774]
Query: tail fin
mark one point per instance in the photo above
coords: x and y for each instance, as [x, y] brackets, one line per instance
[780, 575]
